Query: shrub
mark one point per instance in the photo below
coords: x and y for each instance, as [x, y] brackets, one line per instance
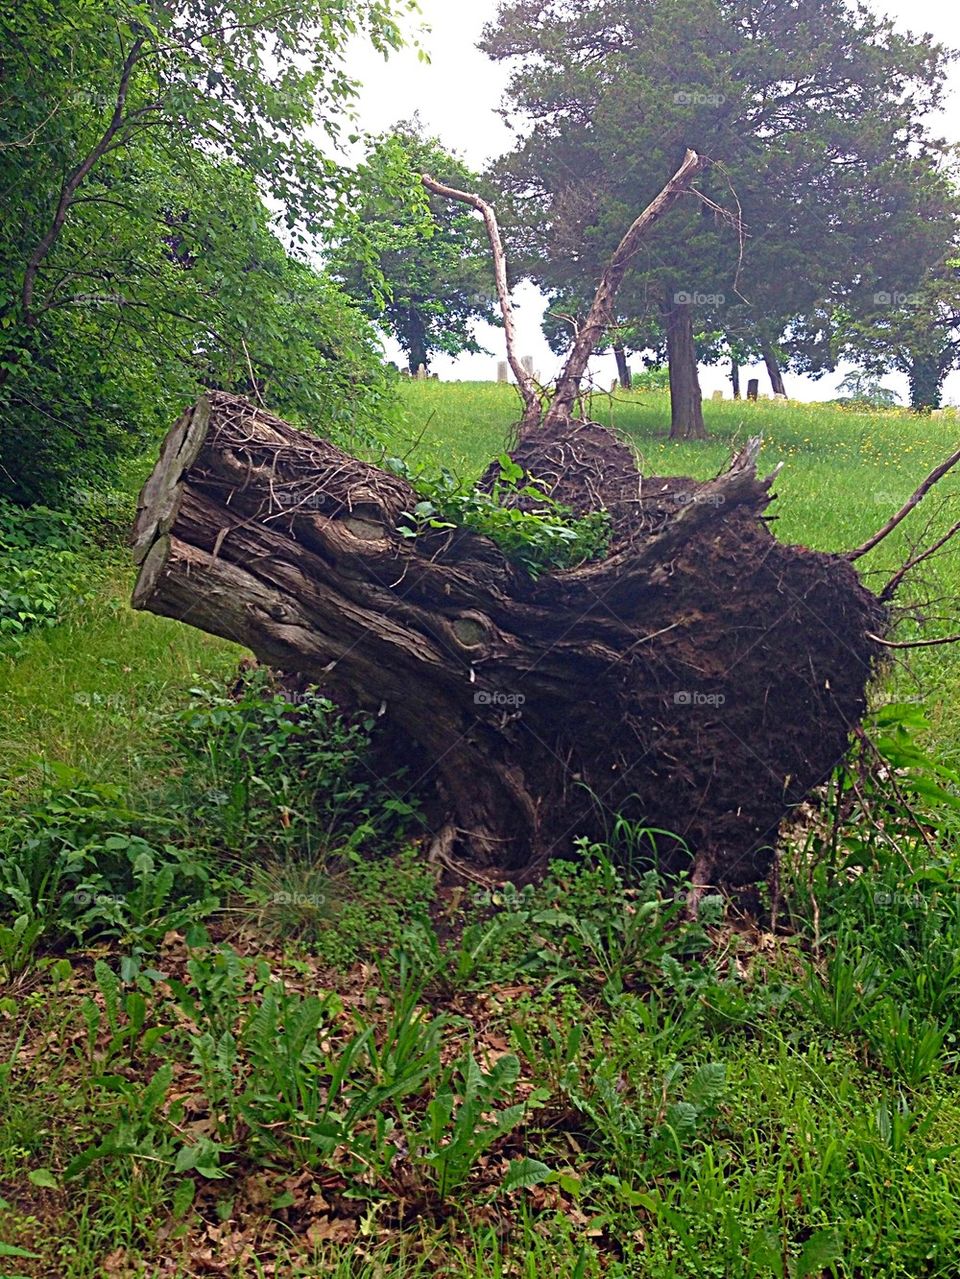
[532, 530]
[41, 568]
[261, 772]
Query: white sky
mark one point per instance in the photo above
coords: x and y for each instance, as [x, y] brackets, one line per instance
[456, 96]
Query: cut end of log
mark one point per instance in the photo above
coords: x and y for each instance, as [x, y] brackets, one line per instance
[155, 558]
[159, 501]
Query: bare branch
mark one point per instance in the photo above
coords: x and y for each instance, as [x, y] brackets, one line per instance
[601, 312]
[936, 474]
[890, 589]
[531, 400]
[930, 643]
[253, 376]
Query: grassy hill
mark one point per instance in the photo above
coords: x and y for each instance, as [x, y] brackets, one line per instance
[245, 1030]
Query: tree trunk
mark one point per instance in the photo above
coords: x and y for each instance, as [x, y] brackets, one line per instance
[773, 369]
[416, 342]
[699, 679]
[735, 378]
[623, 368]
[686, 400]
[926, 382]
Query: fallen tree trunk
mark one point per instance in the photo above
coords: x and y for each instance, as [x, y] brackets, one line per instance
[700, 679]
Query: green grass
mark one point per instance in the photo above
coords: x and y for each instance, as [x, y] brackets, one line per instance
[844, 471]
[828, 1143]
[87, 694]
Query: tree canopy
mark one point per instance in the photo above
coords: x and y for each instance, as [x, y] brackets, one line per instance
[814, 118]
[136, 255]
[418, 265]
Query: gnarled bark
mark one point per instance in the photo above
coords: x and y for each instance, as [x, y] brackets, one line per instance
[700, 679]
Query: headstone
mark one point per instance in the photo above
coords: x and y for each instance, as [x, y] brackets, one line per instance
[753, 388]
[503, 371]
[527, 363]
[717, 395]
[422, 373]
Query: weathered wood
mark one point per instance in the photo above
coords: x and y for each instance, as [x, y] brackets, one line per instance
[528, 393]
[699, 679]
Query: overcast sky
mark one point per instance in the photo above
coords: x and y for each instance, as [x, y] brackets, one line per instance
[456, 96]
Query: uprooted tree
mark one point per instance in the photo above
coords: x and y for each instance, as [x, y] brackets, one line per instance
[701, 678]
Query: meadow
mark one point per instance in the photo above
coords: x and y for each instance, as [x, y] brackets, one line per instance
[246, 1030]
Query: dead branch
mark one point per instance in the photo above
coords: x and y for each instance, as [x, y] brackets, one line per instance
[532, 406]
[928, 643]
[890, 589]
[936, 474]
[601, 311]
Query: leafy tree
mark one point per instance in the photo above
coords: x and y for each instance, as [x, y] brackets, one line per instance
[862, 387]
[912, 331]
[812, 113]
[417, 265]
[134, 247]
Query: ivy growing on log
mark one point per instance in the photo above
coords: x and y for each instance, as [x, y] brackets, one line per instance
[530, 527]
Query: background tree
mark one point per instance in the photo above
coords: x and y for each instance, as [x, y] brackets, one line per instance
[914, 332]
[137, 138]
[809, 112]
[418, 265]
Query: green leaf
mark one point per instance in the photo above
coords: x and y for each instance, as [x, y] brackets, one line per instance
[526, 1172]
[707, 1084]
[11, 1250]
[819, 1251]
[183, 1197]
[43, 1177]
